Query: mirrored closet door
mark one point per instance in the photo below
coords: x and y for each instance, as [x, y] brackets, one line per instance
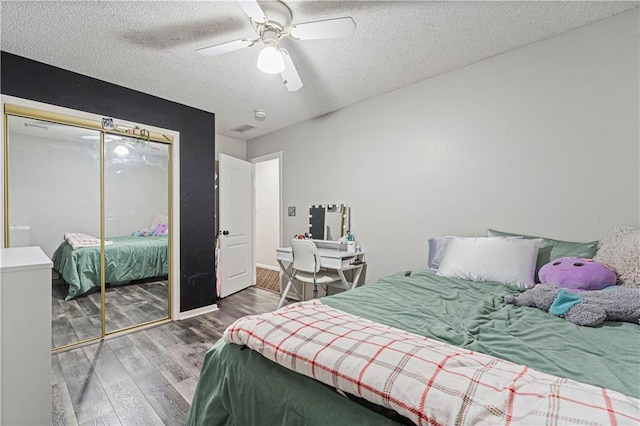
[136, 198]
[53, 191]
[97, 201]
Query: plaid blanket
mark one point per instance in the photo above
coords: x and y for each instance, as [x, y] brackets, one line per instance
[427, 381]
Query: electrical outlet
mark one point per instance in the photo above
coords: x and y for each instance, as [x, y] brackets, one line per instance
[292, 211]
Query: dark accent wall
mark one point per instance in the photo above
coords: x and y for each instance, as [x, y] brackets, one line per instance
[28, 79]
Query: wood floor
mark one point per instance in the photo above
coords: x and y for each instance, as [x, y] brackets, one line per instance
[268, 279]
[144, 378]
[127, 305]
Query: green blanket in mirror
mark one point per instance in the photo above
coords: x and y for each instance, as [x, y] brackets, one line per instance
[128, 258]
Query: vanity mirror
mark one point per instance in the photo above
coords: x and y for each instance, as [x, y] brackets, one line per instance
[329, 221]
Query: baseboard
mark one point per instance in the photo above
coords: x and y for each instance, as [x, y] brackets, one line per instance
[199, 311]
[273, 268]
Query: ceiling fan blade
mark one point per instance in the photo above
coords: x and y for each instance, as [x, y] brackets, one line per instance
[222, 48]
[290, 76]
[329, 28]
[253, 10]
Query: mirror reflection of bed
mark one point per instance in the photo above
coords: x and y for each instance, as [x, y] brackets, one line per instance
[57, 164]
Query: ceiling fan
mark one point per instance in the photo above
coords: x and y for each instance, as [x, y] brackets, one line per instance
[273, 59]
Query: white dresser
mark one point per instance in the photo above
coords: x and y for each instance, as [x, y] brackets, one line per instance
[25, 336]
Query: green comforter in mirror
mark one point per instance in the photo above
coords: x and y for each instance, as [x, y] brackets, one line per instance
[128, 258]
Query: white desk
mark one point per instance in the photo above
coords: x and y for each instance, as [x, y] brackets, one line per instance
[330, 258]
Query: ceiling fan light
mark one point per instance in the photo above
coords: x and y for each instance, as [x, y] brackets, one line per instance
[121, 150]
[270, 60]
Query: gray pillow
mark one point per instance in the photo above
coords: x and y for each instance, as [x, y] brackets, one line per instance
[437, 246]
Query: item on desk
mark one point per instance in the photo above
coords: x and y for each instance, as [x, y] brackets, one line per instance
[351, 242]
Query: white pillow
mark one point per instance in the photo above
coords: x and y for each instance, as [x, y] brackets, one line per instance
[620, 249]
[503, 260]
[437, 247]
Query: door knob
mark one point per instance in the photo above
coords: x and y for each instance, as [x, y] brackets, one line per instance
[225, 232]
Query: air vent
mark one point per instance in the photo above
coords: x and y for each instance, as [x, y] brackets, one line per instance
[244, 128]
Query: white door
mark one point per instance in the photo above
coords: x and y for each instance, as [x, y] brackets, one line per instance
[236, 245]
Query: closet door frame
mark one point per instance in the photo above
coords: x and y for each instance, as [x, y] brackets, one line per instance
[13, 106]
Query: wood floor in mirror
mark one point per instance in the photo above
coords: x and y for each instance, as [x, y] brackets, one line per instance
[127, 305]
[146, 377]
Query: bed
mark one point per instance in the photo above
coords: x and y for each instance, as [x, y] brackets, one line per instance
[465, 314]
[128, 258]
[552, 371]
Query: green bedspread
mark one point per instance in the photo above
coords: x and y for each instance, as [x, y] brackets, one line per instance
[128, 258]
[239, 386]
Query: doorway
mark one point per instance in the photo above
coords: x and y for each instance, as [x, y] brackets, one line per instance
[268, 219]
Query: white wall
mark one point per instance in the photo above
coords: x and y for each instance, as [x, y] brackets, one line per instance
[267, 197]
[540, 140]
[230, 146]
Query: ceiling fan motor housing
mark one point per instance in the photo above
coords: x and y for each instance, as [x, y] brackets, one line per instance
[278, 14]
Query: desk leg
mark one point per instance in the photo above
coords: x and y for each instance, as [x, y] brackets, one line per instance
[345, 283]
[356, 278]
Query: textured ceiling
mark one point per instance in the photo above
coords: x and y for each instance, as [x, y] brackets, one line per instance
[150, 46]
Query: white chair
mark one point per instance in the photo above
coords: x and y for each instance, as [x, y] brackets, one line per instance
[306, 268]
